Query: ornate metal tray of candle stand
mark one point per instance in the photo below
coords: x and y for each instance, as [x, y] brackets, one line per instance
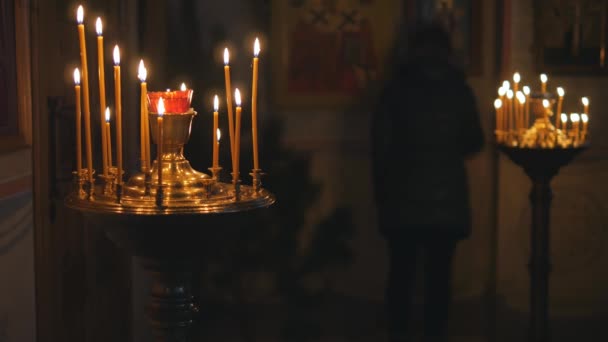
[183, 189]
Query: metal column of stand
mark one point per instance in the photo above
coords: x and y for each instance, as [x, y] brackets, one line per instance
[541, 165]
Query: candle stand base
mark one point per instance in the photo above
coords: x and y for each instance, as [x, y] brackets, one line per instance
[541, 165]
[170, 241]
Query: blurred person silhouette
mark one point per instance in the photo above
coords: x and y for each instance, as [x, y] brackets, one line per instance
[425, 126]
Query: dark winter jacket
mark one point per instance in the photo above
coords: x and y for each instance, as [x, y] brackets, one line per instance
[425, 126]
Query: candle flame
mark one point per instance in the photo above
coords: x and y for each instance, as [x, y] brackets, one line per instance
[99, 26]
[497, 103]
[183, 87]
[216, 103]
[256, 47]
[502, 91]
[510, 94]
[226, 56]
[516, 77]
[564, 117]
[80, 14]
[561, 92]
[160, 107]
[506, 84]
[116, 55]
[107, 114]
[219, 135]
[521, 97]
[526, 90]
[574, 117]
[142, 73]
[546, 103]
[237, 97]
[585, 101]
[544, 78]
[584, 118]
[77, 76]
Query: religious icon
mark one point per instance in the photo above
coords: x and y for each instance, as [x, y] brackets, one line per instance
[331, 47]
[572, 35]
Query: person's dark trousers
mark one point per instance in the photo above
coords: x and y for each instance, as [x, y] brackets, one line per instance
[437, 252]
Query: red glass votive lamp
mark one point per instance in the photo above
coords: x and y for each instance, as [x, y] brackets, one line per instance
[176, 101]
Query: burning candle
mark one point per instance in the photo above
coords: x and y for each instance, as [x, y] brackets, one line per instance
[575, 119]
[109, 137]
[183, 87]
[543, 80]
[510, 105]
[516, 79]
[506, 85]
[78, 121]
[502, 92]
[521, 98]
[229, 102]
[254, 104]
[218, 133]
[546, 105]
[142, 74]
[237, 135]
[118, 103]
[102, 94]
[560, 101]
[216, 106]
[85, 89]
[498, 107]
[564, 120]
[526, 90]
[585, 120]
[585, 102]
[160, 107]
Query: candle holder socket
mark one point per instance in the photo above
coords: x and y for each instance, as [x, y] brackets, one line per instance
[215, 173]
[256, 176]
[80, 179]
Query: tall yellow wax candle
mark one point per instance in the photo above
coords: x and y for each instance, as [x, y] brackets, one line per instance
[109, 136]
[575, 118]
[237, 135]
[585, 120]
[78, 121]
[543, 81]
[118, 103]
[229, 101]
[216, 105]
[85, 89]
[560, 101]
[142, 73]
[498, 108]
[254, 104]
[502, 91]
[521, 100]
[159, 141]
[102, 94]
[510, 105]
[516, 79]
[564, 120]
[585, 101]
[527, 108]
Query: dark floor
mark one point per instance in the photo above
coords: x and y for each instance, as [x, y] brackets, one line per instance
[338, 318]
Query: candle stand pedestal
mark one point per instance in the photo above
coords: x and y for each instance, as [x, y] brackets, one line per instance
[167, 217]
[541, 165]
[170, 243]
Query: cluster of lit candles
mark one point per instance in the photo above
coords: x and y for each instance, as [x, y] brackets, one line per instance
[165, 102]
[513, 112]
